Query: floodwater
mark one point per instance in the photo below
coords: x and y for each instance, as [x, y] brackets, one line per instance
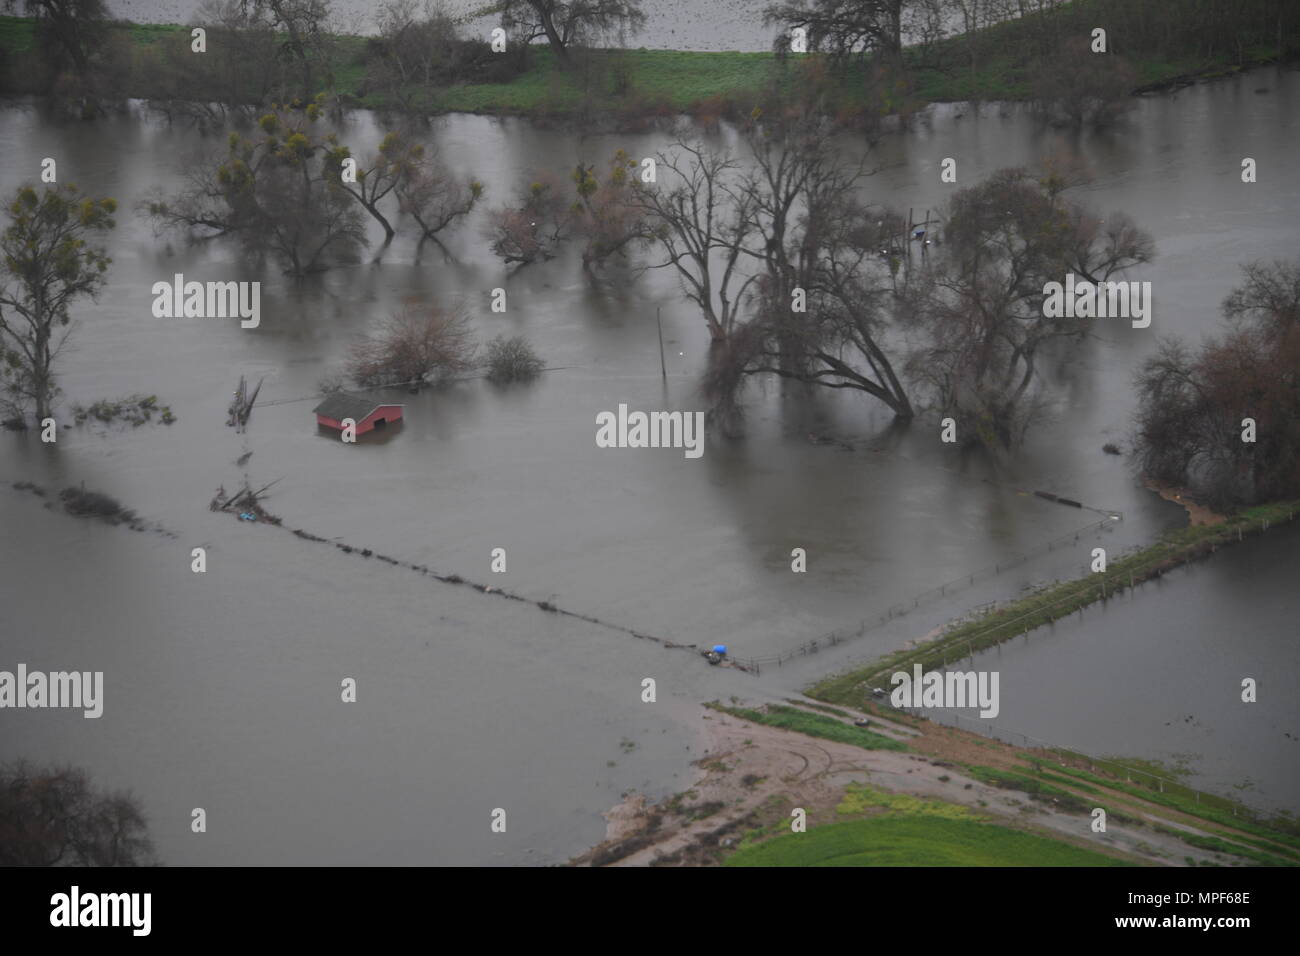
[1157, 675]
[223, 688]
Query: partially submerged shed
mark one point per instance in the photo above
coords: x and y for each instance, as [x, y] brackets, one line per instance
[367, 413]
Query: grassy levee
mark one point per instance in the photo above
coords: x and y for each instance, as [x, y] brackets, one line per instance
[813, 725]
[997, 62]
[1209, 807]
[1055, 601]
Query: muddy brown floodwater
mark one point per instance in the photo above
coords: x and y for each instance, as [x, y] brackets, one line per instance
[222, 689]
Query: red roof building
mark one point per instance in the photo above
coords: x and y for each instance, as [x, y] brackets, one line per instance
[367, 413]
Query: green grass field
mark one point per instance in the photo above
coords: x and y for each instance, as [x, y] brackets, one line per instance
[640, 83]
[813, 725]
[927, 840]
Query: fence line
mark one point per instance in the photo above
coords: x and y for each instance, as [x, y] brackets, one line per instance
[1108, 584]
[1143, 778]
[840, 635]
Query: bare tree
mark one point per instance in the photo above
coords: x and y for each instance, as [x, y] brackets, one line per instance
[842, 27]
[702, 222]
[302, 24]
[980, 306]
[416, 48]
[53, 816]
[413, 346]
[1075, 86]
[1193, 409]
[535, 228]
[568, 23]
[69, 31]
[610, 214]
[825, 291]
[238, 72]
[392, 163]
[434, 197]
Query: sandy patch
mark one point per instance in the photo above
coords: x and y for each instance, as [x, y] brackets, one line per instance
[1197, 513]
[752, 775]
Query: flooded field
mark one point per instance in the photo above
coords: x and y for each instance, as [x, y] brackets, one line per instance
[222, 688]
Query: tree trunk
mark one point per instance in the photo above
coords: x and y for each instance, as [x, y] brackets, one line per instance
[546, 15]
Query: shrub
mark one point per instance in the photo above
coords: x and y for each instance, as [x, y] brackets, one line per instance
[79, 501]
[414, 345]
[512, 360]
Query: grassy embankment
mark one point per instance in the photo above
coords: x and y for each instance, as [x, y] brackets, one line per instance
[1055, 601]
[874, 826]
[812, 725]
[641, 83]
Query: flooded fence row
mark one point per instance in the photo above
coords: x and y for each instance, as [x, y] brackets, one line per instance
[456, 579]
[1081, 760]
[841, 635]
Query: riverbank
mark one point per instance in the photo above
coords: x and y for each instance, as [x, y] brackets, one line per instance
[630, 87]
[1055, 601]
[935, 795]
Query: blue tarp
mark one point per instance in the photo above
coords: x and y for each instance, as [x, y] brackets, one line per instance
[720, 648]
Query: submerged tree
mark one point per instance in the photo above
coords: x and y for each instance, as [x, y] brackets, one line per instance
[435, 198]
[980, 307]
[533, 229]
[1225, 421]
[610, 215]
[54, 816]
[50, 261]
[511, 360]
[413, 346]
[825, 298]
[1075, 86]
[277, 190]
[784, 261]
[702, 221]
[371, 183]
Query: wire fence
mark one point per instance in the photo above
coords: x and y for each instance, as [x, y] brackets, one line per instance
[1082, 760]
[841, 635]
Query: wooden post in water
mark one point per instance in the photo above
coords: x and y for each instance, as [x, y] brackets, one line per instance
[907, 239]
[662, 367]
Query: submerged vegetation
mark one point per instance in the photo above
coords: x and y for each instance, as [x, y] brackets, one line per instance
[134, 410]
[1053, 602]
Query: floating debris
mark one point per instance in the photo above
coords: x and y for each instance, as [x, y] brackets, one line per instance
[241, 407]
